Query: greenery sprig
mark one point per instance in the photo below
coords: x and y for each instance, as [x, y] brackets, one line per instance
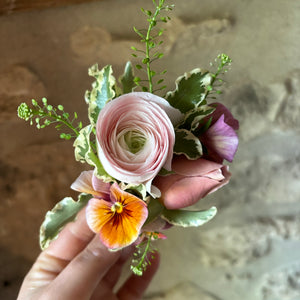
[148, 55]
[222, 62]
[47, 114]
[141, 259]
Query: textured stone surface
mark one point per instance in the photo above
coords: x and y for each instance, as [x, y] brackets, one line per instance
[251, 248]
[184, 290]
[18, 83]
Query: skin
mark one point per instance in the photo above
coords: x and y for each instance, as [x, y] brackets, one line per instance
[78, 266]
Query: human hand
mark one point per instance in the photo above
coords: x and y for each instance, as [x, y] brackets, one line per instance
[78, 266]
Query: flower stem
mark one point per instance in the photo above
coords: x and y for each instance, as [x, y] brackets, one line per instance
[148, 38]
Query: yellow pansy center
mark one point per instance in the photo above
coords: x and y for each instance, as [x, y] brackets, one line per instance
[117, 207]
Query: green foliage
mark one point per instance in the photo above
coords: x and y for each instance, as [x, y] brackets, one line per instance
[150, 38]
[194, 117]
[141, 255]
[85, 152]
[191, 90]
[187, 218]
[64, 212]
[102, 91]
[154, 210]
[46, 115]
[188, 144]
[222, 62]
[127, 79]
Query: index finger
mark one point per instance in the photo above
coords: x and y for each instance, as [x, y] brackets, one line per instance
[72, 239]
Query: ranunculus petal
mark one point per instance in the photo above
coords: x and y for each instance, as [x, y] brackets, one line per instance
[173, 113]
[221, 139]
[135, 137]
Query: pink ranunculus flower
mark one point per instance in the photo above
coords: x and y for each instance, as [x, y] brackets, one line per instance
[193, 180]
[221, 140]
[135, 136]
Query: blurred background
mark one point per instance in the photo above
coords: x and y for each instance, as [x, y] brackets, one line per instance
[251, 248]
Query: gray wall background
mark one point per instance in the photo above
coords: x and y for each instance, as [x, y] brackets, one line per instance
[251, 249]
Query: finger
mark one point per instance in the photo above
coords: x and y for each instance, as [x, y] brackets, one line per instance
[135, 286]
[106, 285]
[82, 275]
[72, 239]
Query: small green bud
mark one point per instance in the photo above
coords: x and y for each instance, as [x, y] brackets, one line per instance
[60, 107]
[145, 60]
[49, 107]
[152, 73]
[34, 103]
[44, 100]
[24, 112]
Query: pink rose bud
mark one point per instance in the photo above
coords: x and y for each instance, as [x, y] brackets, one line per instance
[136, 136]
[193, 180]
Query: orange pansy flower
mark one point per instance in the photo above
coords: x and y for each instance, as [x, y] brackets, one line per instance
[116, 215]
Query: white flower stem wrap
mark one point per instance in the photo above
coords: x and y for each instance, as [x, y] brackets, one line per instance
[135, 137]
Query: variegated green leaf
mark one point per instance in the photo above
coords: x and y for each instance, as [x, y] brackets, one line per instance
[127, 79]
[64, 212]
[188, 144]
[102, 91]
[82, 144]
[85, 154]
[139, 190]
[187, 218]
[194, 117]
[191, 90]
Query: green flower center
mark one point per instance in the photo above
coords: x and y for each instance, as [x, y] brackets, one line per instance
[135, 141]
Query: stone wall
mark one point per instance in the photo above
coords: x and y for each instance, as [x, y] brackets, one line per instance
[251, 249]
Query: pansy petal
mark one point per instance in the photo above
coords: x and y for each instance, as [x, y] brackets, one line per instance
[99, 185]
[118, 233]
[221, 139]
[121, 229]
[83, 183]
[98, 213]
